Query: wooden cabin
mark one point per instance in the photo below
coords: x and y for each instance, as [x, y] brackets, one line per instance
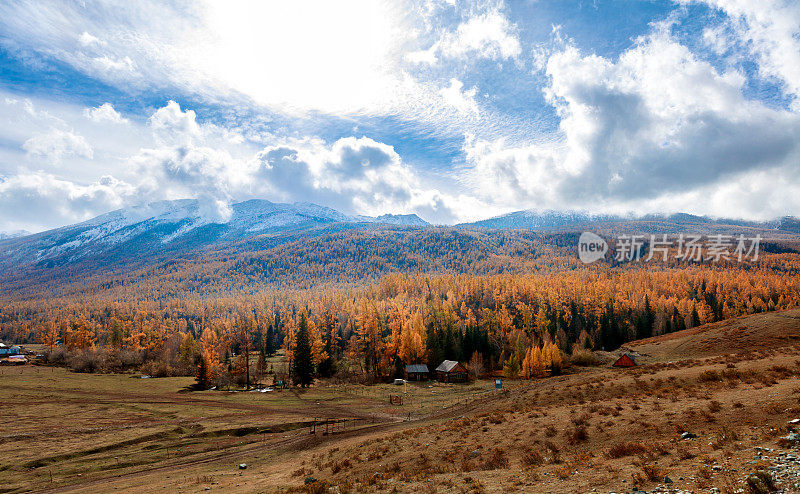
[451, 371]
[417, 372]
[626, 360]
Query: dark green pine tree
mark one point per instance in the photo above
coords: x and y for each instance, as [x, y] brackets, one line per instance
[694, 318]
[202, 374]
[269, 344]
[650, 317]
[303, 367]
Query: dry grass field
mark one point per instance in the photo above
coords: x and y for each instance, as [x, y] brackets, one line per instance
[735, 385]
[61, 428]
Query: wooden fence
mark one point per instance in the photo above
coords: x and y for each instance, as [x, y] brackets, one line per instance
[328, 426]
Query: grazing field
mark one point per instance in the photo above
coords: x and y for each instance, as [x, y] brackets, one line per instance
[592, 428]
[62, 427]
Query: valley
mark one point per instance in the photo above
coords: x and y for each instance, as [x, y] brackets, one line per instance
[592, 428]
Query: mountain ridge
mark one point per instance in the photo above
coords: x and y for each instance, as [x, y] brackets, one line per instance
[551, 219]
[179, 225]
[165, 230]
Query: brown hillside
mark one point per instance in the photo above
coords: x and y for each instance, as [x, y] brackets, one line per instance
[742, 334]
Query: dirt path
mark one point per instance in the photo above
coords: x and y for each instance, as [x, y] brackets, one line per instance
[298, 441]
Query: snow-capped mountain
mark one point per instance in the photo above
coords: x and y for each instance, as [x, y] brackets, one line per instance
[533, 220]
[395, 219]
[650, 223]
[175, 226]
[13, 234]
[167, 230]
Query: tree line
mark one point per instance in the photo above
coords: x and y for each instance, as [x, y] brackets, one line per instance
[515, 323]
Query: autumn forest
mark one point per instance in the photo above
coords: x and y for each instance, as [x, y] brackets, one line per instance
[524, 314]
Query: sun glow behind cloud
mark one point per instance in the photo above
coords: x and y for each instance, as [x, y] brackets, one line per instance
[334, 57]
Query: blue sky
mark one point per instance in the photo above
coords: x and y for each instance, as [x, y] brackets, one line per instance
[454, 110]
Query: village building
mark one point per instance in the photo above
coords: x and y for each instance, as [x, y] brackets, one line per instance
[626, 360]
[451, 371]
[5, 350]
[17, 360]
[417, 372]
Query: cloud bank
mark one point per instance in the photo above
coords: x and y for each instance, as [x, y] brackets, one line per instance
[455, 110]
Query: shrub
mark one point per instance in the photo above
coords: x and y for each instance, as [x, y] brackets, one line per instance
[628, 448]
[709, 376]
[584, 358]
[652, 472]
[56, 356]
[578, 434]
[531, 457]
[497, 459]
[761, 482]
[555, 455]
[86, 361]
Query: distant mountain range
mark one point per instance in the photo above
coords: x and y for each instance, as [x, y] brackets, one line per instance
[144, 236]
[651, 223]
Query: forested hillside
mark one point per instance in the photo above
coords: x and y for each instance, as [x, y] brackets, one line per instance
[173, 292]
[376, 300]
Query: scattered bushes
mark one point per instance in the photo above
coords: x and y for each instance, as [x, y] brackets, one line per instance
[164, 363]
[106, 361]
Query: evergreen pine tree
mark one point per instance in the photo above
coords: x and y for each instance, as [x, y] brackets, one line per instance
[650, 317]
[269, 344]
[695, 318]
[303, 367]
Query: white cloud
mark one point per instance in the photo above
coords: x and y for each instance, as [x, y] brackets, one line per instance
[717, 39]
[104, 113]
[655, 126]
[355, 175]
[87, 39]
[172, 125]
[485, 34]
[349, 59]
[488, 35]
[422, 56]
[188, 172]
[110, 68]
[657, 123]
[463, 101]
[41, 200]
[173, 156]
[57, 144]
[771, 30]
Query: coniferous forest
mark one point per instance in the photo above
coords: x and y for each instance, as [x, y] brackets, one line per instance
[523, 306]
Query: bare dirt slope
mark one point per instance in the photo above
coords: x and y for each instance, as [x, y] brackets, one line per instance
[766, 331]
